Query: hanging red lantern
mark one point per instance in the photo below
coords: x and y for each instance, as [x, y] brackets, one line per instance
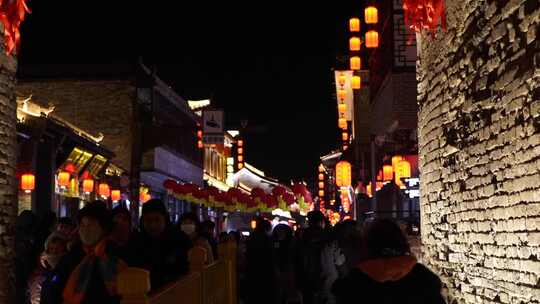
[28, 182]
[342, 94]
[403, 170]
[63, 179]
[388, 173]
[345, 136]
[343, 174]
[342, 123]
[321, 193]
[354, 24]
[115, 195]
[321, 185]
[240, 143]
[321, 176]
[342, 79]
[321, 168]
[104, 190]
[88, 185]
[372, 39]
[356, 63]
[13, 14]
[356, 82]
[354, 44]
[200, 144]
[342, 108]
[395, 161]
[424, 14]
[371, 15]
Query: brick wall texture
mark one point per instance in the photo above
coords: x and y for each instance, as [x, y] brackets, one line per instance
[101, 106]
[479, 146]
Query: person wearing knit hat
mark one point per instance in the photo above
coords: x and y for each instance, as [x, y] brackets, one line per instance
[159, 247]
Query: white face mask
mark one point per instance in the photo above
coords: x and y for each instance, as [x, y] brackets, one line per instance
[189, 229]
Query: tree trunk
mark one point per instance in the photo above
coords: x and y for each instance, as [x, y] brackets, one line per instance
[8, 164]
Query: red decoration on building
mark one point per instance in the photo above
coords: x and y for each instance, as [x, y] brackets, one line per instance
[12, 13]
[424, 14]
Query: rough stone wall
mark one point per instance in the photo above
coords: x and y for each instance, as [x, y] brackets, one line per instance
[103, 106]
[479, 146]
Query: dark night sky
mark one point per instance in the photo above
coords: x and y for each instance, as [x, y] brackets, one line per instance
[270, 64]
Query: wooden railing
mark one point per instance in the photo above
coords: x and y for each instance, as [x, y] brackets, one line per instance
[205, 284]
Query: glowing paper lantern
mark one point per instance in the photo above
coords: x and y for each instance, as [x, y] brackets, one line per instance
[321, 176]
[321, 185]
[388, 173]
[240, 143]
[343, 174]
[403, 170]
[115, 195]
[88, 185]
[342, 94]
[63, 179]
[371, 15]
[356, 63]
[395, 161]
[341, 79]
[354, 24]
[345, 136]
[342, 123]
[354, 44]
[372, 39]
[28, 182]
[342, 108]
[240, 158]
[321, 193]
[104, 190]
[321, 168]
[356, 82]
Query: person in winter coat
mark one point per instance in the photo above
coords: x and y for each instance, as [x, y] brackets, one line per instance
[261, 272]
[284, 254]
[190, 226]
[122, 235]
[55, 249]
[88, 273]
[160, 248]
[310, 274]
[388, 274]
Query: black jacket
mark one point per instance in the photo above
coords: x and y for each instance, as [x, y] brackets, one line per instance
[55, 281]
[166, 258]
[389, 283]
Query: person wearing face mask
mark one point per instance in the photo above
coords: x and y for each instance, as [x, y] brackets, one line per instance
[87, 274]
[159, 248]
[55, 249]
[190, 226]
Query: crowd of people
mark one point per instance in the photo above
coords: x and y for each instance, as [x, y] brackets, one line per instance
[61, 261]
[347, 263]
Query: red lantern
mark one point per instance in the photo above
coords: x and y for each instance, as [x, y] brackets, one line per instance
[342, 108]
[321, 168]
[356, 82]
[342, 79]
[371, 15]
[372, 39]
[343, 174]
[321, 185]
[388, 173]
[356, 63]
[354, 44]
[28, 182]
[115, 195]
[354, 24]
[103, 190]
[70, 168]
[200, 144]
[345, 136]
[240, 143]
[342, 123]
[88, 185]
[403, 170]
[321, 176]
[342, 94]
[321, 193]
[63, 179]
